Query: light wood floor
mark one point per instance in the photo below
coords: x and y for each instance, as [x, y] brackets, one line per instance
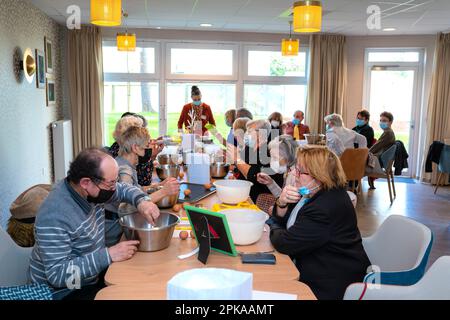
[416, 201]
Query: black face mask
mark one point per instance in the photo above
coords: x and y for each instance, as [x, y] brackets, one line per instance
[147, 156]
[103, 196]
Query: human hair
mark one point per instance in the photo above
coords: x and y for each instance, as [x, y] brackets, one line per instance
[365, 114]
[387, 115]
[287, 147]
[259, 125]
[127, 114]
[87, 165]
[230, 114]
[277, 117]
[195, 91]
[240, 124]
[335, 119]
[244, 113]
[297, 111]
[323, 165]
[124, 123]
[133, 136]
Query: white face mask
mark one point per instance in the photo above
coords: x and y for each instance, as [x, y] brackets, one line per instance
[275, 123]
[275, 166]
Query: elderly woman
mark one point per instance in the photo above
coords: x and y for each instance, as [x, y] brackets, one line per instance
[276, 124]
[255, 158]
[314, 222]
[340, 138]
[144, 170]
[133, 150]
[230, 117]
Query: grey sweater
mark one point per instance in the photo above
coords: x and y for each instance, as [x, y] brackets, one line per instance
[70, 237]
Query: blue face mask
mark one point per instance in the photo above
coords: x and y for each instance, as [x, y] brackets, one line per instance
[197, 103]
[360, 123]
[327, 128]
[305, 191]
[384, 125]
[296, 122]
[249, 141]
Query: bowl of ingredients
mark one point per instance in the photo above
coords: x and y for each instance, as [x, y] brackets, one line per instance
[246, 226]
[233, 191]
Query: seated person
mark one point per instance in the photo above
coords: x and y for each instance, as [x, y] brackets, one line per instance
[295, 127]
[363, 127]
[244, 113]
[70, 252]
[23, 214]
[255, 157]
[386, 140]
[276, 124]
[134, 149]
[340, 138]
[314, 222]
[282, 157]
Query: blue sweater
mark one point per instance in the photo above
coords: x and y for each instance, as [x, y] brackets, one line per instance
[70, 235]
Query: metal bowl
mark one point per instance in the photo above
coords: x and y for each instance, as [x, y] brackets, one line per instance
[219, 169]
[314, 138]
[164, 159]
[165, 171]
[152, 238]
[167, 202]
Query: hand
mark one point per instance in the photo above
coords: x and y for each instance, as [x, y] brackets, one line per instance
[149, 210]
[289, 195]
[232, 153]
[264, 178]
[123, 250]
[171, 186]
[156, 147]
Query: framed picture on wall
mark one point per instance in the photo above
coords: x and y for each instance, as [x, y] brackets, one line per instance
[50, 91]
[48, 55]
[40, 72]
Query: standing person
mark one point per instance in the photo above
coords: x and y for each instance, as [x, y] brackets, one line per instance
[276, 124]
[315, 223]
[363, 127]
[295, 127]
[70, 253]
[196, 115]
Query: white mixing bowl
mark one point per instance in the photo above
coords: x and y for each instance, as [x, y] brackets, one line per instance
[233, 191]
[246, 226]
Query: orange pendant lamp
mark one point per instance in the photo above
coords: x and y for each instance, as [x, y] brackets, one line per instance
[106, 13]
[307, 16]
[126, 41]
[290, 47]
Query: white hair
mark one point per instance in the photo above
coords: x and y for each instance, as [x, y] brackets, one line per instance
[259, 125]
[287, 148]
[335, 119]
[126, 122]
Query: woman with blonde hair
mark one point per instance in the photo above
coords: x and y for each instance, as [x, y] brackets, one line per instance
[314, 222]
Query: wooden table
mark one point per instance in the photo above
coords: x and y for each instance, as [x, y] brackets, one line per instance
[145, 276]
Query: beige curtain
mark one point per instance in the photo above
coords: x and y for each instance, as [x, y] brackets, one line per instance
[438, 121]
[328, 79]
[85, 74]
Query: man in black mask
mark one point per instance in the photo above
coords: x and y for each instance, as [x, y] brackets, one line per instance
[70, 252]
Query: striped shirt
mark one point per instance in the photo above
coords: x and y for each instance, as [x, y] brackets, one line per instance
[70, 238]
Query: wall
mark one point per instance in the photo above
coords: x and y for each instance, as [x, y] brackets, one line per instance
[25, 141]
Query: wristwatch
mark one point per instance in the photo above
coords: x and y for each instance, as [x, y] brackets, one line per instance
[279, 205]
[146, 198]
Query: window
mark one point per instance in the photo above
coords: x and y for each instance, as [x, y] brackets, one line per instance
[393, 56]
[202, 62]
[140, 61]
[273, 64]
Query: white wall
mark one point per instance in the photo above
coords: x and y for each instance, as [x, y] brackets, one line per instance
[25, 141]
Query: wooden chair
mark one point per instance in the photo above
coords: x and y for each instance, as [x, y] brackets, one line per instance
[354, 164]
[387, 162]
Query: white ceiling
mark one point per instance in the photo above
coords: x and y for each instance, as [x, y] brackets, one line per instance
[340, 16]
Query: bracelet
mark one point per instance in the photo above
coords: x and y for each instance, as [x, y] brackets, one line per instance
[279, 205]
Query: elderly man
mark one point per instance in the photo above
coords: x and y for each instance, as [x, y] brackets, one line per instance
[70, 250]
[295, 127]
[340, 138]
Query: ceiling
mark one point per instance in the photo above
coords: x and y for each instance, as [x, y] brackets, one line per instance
[272, 16]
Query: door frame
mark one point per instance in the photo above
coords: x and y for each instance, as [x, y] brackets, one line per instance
[417, 99]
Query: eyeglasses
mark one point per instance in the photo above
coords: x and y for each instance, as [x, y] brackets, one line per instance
[299, 172]
[109, 184]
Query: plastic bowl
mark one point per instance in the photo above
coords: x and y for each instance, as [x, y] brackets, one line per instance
[246, 226]
[233, 191]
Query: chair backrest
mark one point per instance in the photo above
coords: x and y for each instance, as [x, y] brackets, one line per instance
[435, 285]
[387, 158]
[399, 244]
[14, 262]
[444, 160]
[354, 163]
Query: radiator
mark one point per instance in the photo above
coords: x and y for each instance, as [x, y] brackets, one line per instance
[62, 148]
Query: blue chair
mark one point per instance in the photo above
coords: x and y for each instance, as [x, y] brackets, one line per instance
[398, 251]
[444, 165]
[26, 292]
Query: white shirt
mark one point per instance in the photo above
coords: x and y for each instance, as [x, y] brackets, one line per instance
[340, 138]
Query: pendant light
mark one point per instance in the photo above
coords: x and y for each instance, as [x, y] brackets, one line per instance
[106, 13]
[289, 47]
[126, 41]
[307, 16]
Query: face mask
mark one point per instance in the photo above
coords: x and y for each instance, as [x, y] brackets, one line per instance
[229, 124]
[276, 167]
[275, 123]
[103, 196]
[197, 103]
[327, 127]
[296, 122]
[305, 191]
[147, 156]
[360, 123]
[384, 125]
[249, 141]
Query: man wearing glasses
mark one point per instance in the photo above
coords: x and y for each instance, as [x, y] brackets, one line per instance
[70, 253]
